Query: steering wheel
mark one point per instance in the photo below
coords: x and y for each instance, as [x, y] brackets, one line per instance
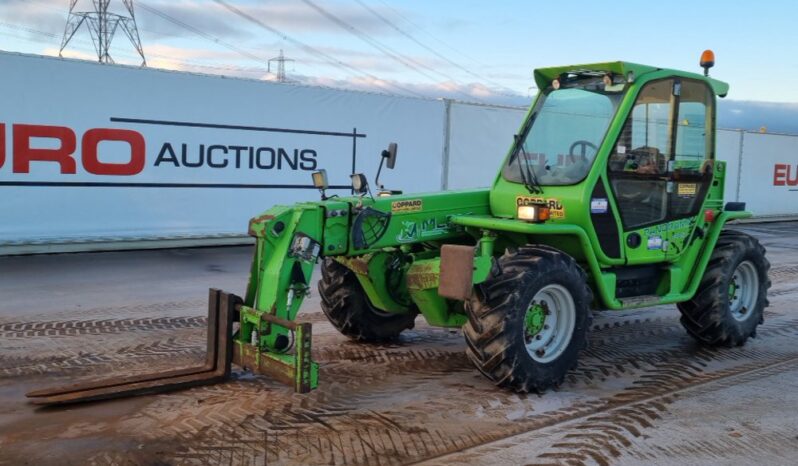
[584, 145]
[649, 160]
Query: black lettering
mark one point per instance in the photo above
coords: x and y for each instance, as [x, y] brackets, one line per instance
[272, 158]
[308, 157]
[196, 164]
[283, 155]
[211, 149]
[238, 150]
[167, 148]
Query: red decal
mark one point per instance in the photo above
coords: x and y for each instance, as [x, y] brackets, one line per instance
[92, 163]
[793, 181]
[778, 174]
[24, 154]
[2, 144]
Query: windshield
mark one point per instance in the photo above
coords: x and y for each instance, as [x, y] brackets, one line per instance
[562, 136]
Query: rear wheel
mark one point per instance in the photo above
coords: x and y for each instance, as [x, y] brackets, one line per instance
[529, 320]
[732, 296]
[349, 310]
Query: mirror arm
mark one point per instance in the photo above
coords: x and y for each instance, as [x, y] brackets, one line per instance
[377, 179]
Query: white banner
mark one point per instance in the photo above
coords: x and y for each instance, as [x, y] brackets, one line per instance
[93, 151]
[727, 148]
[769, 174]
[479, 138]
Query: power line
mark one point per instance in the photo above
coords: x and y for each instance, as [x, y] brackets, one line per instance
[312, 50]
[393, 54]
[194, 64]
[203, 34]
[29, 30]
[401, 31]
[420, 28]
[123, 54]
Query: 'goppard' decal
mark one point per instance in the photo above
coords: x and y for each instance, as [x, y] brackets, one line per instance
[556, 208]
[411, 205]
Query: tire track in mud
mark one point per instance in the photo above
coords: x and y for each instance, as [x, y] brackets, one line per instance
[602, 438]
[365, 413]
[769, 448]
[338, 410]
[50, 328]
[345, 437]
[53, 329]
[157, 309]
[123, 360]
[438, 344]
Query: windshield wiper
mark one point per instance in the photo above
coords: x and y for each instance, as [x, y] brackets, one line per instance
[534, 185]
[528, 175]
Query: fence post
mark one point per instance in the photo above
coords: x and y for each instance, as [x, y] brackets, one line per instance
[447, 133]
[739, 166]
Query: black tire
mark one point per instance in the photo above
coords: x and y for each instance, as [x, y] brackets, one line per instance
[708, 317]
[496, 332]
[348, 308]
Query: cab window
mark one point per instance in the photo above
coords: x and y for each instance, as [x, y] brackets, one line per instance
[694, 151]
[639, 160]
[661, 165]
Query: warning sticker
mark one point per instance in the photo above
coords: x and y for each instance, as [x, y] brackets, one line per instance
[413, 205]
[556, 209]
[599, 205]
[654, 242]
[687, 189]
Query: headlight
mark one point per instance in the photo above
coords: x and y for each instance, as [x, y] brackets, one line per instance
[359, 183]
[320, 179]
[533, 213]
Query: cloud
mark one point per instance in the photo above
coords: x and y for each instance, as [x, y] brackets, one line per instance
[752, 115]
[44, 15]
[473, 92]
[290, 16]
[173, 47]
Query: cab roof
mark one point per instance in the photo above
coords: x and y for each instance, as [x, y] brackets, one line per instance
[544, 76]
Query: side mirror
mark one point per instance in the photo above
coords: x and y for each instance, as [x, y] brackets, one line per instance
[390, 155]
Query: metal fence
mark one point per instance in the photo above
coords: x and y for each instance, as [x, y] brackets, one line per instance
[187, 159]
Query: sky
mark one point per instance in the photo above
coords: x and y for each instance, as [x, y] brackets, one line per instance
[481, 51]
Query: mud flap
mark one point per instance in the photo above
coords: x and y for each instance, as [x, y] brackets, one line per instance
[457, 271]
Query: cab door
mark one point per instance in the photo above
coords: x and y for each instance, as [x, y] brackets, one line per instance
[660, 169]
[692, 162]
[638, 173]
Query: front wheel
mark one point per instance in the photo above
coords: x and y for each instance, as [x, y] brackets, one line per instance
[349, 310]
[529, 320]
[732, 296]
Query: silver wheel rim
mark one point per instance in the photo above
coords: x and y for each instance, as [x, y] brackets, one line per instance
[560, 318]
[743, 291]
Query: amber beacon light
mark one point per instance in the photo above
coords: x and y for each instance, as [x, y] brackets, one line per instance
[707, 61]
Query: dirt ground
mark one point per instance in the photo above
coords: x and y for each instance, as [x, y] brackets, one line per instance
[644, 392]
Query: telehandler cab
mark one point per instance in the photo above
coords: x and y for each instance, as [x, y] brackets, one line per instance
[610, 197]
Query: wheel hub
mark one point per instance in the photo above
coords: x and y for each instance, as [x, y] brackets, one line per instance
[549, 323]
[534, 321]
[743, 290]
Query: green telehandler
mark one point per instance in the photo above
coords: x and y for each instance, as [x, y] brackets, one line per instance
[609, 198]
